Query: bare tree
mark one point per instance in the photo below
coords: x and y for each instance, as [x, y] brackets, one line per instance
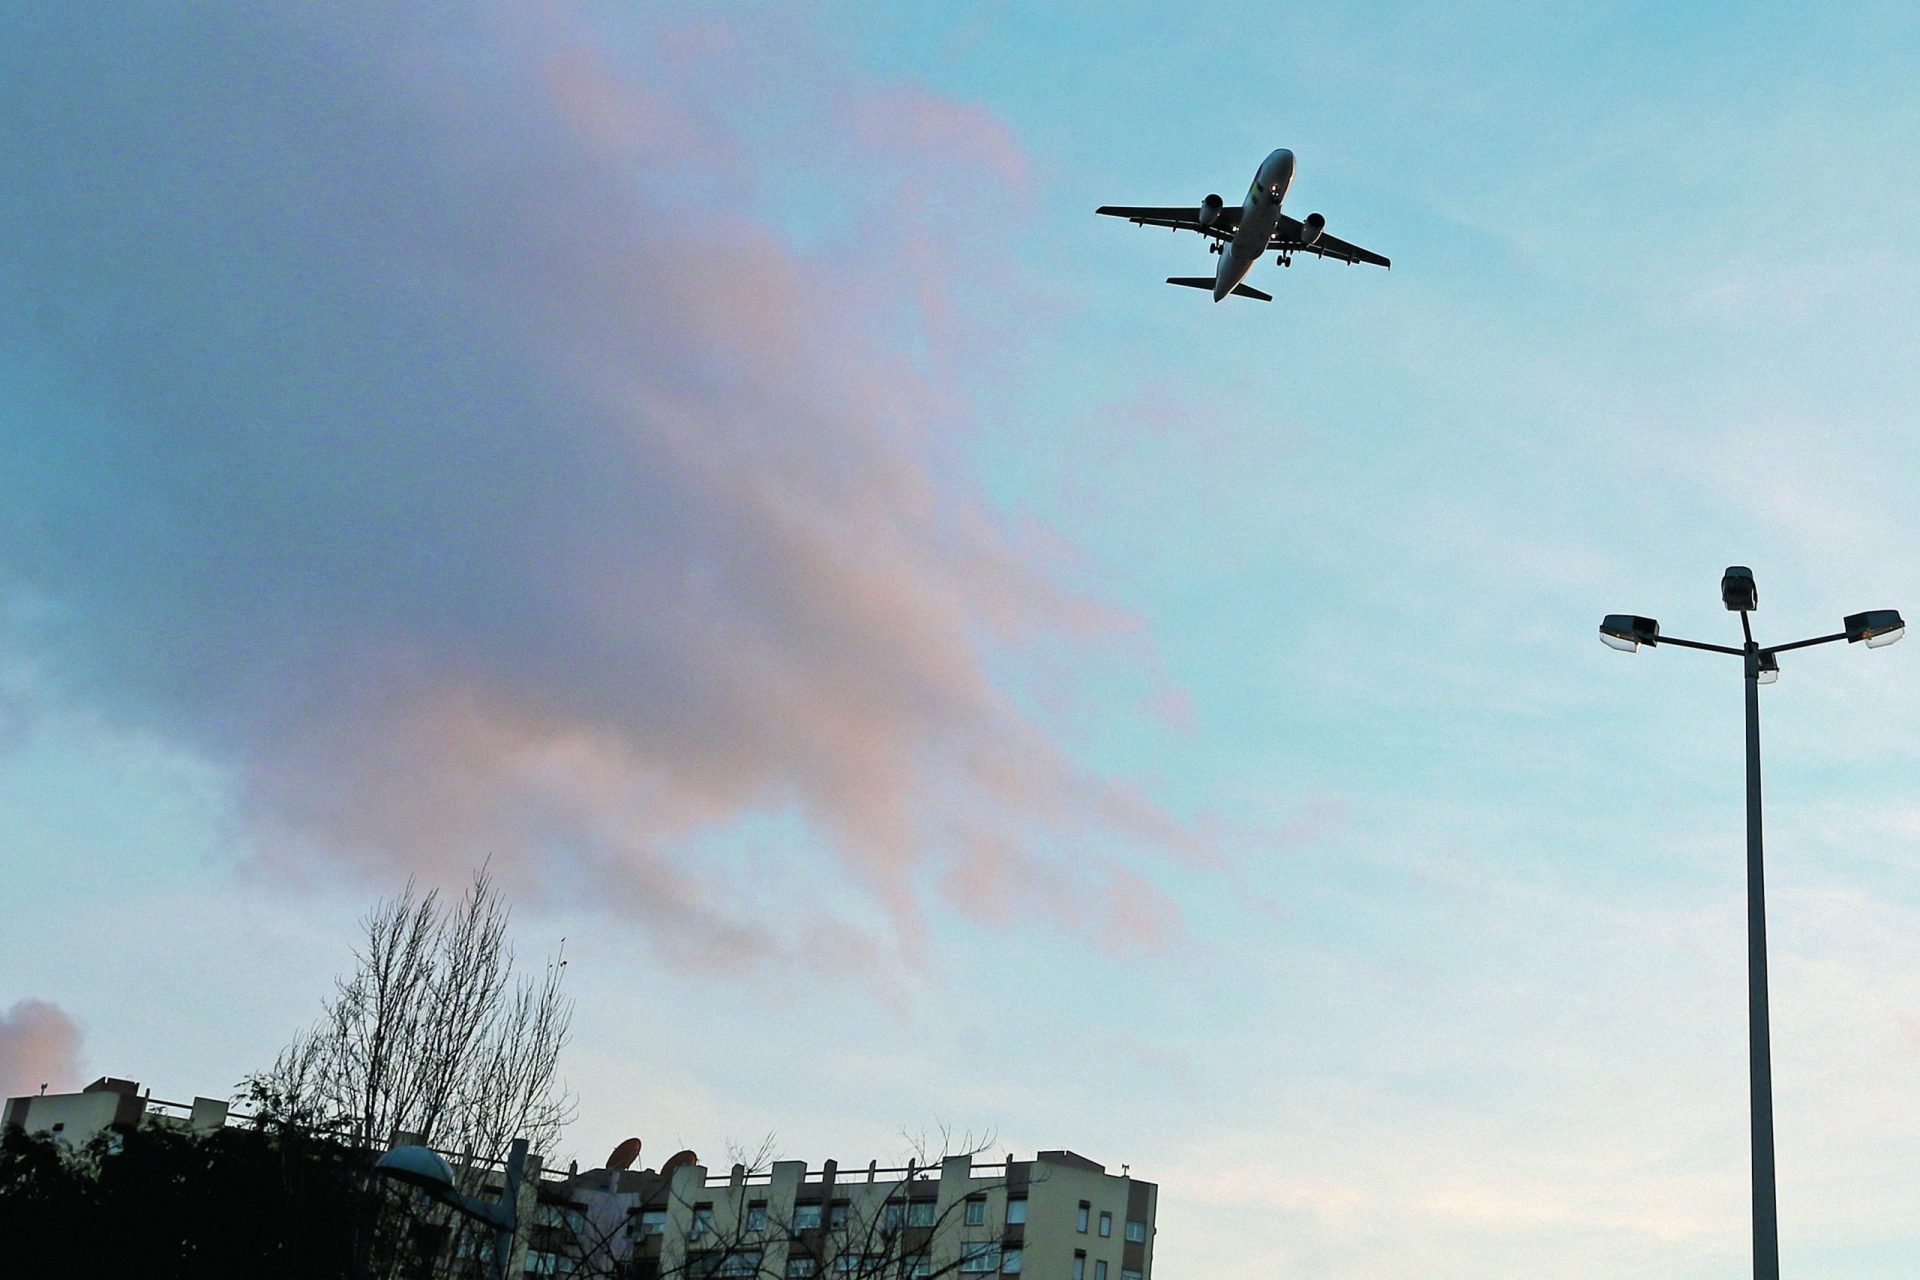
[759, 1159]
[431, 1036]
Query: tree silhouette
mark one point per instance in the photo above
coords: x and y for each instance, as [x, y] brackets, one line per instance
[432, 1039]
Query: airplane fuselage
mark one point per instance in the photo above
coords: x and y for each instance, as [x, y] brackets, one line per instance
[1258, 218]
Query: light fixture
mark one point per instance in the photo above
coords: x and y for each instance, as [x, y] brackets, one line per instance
[1877, 627]
[419, 1167]
[1760, 665]
[1625, 632]
[1737, 589]
[424, 1168]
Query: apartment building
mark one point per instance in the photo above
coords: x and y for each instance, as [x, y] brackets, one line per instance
[115, 1106]
[1058, 1216]
[108, 1103]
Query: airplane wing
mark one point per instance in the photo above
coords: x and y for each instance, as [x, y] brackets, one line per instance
[1286, 237]
[1179, 217]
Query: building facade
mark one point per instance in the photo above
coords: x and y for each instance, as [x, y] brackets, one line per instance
[114, 1106]
[1058, 1216]
[106, 1104]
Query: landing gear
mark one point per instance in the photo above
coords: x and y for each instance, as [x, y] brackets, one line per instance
[1286, 259]
[1216, 248]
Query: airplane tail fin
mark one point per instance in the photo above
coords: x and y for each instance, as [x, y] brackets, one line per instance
[1206, 282]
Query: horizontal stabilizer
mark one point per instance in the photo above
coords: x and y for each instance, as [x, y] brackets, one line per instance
[1206, 282]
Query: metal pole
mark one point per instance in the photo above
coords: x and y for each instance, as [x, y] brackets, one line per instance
[507, 1211]
[1766, 1231]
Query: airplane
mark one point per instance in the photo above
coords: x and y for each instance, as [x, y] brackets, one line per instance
[1241, 235]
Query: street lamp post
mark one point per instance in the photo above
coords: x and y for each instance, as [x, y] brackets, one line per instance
[423, 1167]
[1628, 632]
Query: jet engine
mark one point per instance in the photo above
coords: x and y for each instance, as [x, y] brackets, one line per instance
[1310, 229]
[1210, 211]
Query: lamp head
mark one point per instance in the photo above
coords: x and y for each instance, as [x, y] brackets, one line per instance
[1876, 626]
[1769, 670]
[1737, 589]
[416, 1166]
[1625, 632]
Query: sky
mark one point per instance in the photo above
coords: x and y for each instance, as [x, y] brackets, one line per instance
[711, 465]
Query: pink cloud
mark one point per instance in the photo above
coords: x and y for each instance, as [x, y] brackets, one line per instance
[1174, 707]
[455, 448]
[619, 116]
[39, 1045]
[1317, 817]
[942, 133]
[1139, 915]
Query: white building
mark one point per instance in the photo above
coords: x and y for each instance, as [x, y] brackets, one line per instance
[112, 1105]
[108, 1103]
[1058, 1216]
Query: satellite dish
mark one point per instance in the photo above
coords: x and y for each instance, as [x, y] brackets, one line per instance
[676, 1160]
[624, 1155]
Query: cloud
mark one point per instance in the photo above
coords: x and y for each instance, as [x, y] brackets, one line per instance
[910, 119]
[39, 1044]
[423, 421]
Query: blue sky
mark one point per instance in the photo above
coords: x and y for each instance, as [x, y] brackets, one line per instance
[717, 466]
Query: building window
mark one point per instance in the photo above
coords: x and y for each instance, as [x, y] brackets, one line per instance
[1136, 1230]
[806, 1217]
[1129, 1275]
[837, 1215]
[1016, 1211]
[976, 1212]
[984, 1256]
[1011, 1260]
[652, 1222]
[915, 1267]
[757, 1216]
[1106, 1224]
[1080, 1218]
[846, 1263]
[740, 1262]
[1100, 1270]
[702, 1221]
[801, 1268]
[1079, 1264]
[919, 1213]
